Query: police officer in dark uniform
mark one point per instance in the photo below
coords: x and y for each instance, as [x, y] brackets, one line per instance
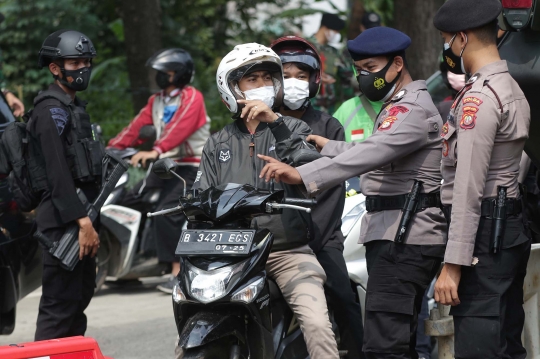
[399, 164]
[72, 157]
[488, 249]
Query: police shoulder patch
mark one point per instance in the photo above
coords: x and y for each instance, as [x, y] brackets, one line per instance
[468, 119]
[224, 155]
[387, 123]
[473, 100]
[60, 118]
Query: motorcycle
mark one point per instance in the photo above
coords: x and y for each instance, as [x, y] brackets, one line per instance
[128, 251]
[224, 304]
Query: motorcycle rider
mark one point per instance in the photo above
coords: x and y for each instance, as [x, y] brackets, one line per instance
[401, 156]
[182, 127]
[59, 123]
[250, 81]
[302, 74]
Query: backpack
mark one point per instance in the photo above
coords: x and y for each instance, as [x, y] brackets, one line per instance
[22, 157]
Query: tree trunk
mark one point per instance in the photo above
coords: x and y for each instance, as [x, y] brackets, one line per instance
[355, 19]
[415, 18]
[142, 34]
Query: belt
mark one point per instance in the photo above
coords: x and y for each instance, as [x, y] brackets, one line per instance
[513, 208]
[386, 203]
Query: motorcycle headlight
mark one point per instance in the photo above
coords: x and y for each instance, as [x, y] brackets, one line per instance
[249, 292]
[348, 221]
[208, 286]
[177, 294]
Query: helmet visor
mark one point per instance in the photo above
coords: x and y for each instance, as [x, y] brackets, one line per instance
[302, 58]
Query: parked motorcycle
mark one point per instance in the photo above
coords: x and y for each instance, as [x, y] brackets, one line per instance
[224, 304]
[128, 249]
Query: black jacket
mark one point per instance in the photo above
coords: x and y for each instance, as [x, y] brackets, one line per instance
[327, 214]
[50, 126]
[227, 158]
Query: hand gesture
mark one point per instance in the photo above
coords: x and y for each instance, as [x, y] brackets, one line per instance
[257, 110]
[280, 171]
[320, 141]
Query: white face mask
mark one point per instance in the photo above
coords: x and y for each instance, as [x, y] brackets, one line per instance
[333, 37]
[296, 93]
[265, 94]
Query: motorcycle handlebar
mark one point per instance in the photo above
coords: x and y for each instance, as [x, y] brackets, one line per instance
[300, 202]
[165, 212]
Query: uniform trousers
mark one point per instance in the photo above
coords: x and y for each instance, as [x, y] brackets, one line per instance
[165, 229]
[398, 277]
[489, 320]
[347, 311]
[65, 295]
[300, 278]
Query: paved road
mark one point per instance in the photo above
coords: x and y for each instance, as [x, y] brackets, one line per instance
[128, 323]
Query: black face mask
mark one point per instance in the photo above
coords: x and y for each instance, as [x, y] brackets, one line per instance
[374, 85]
[453, 62]
[162, 80]
[76, 80]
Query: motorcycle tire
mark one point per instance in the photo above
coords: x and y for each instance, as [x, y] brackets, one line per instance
[218, 350]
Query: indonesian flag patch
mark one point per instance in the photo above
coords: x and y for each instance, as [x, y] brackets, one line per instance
[468, 120]
[357, 135]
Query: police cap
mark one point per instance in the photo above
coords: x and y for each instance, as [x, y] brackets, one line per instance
[461, 15]
[378, 41]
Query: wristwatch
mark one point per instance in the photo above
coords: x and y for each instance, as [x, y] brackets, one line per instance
[277, 122]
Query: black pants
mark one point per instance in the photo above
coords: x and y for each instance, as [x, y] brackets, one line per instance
[346, 310]
[165, 229]
[65, 295]
[489, 321]
[398, 277]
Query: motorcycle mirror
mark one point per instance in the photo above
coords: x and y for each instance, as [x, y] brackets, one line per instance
[164, 167]
[147, 133]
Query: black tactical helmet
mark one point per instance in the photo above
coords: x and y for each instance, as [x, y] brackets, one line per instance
[177, 60]
[65, 44]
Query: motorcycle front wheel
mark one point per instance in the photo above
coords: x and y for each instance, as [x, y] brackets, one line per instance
[218, 350]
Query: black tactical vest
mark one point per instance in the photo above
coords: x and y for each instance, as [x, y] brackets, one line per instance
[83, 153]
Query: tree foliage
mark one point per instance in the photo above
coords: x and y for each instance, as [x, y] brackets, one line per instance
[208, 29]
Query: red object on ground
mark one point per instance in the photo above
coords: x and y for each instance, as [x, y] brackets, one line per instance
[65, 348]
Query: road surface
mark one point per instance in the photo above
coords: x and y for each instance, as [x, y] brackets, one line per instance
[134, 322]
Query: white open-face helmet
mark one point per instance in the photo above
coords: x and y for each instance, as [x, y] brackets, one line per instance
[242, 60]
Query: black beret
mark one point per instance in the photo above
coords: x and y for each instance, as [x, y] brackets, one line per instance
[461, 15]
[371, 19]
[378, 41]
[332, 21]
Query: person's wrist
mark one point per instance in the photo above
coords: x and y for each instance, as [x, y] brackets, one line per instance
[84, 222]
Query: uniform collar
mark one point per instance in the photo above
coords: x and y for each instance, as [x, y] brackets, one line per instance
[77, 101]
[496, 67]
[415, 86]
[309, 114]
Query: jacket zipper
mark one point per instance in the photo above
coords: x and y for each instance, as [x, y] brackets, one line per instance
[252, 155]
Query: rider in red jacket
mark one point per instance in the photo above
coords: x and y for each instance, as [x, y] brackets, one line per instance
[182, 128]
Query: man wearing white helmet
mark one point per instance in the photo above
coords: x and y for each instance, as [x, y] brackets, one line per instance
[250, 82]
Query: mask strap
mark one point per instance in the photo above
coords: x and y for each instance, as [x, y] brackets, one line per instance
[466, 39]
[354, 71]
